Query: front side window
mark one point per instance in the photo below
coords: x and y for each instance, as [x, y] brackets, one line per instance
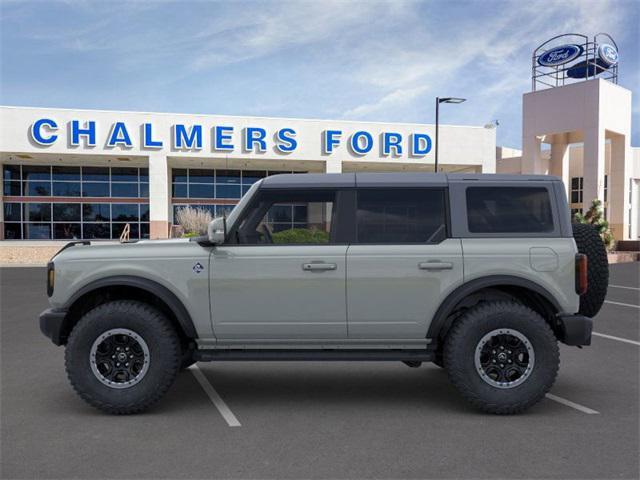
[509, 210]
[401, 215]
[287, 218]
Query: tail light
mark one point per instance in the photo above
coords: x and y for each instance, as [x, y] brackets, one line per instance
[582, 282]
[51, 278]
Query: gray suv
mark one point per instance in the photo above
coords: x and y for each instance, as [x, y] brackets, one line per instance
[479, 274]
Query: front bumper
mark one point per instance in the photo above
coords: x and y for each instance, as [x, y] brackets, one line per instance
[52, 322]
[575, 329]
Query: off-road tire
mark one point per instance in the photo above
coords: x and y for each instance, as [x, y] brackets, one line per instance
[589, 242]
[459, 354]
[164, 356]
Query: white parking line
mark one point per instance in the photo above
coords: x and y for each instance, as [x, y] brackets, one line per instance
[622, 304]
[571, 404]
[619, 339]
[222, 407]
[622, 286]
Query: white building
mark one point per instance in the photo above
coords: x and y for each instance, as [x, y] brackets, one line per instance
[86, 173]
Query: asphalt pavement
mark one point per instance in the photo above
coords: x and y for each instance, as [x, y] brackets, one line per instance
[320, 420]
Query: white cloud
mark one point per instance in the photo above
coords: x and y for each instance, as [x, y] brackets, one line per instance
[492, 52]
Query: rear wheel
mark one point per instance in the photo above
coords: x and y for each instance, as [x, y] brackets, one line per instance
[589, 243]
[122, 356]
[502, 357]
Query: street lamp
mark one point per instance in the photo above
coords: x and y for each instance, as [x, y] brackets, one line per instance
[438, 102]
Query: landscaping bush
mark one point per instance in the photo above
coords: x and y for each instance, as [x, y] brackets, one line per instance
[194, 221]
[301, 235]
[595, 217]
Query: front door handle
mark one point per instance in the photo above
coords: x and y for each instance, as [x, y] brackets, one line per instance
[318, 267]
[435, 265]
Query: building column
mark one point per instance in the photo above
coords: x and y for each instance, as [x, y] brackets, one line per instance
[618, 190]
[333, 166]
[593, 164]
[531, 155]
[559, 162]
[159, 198]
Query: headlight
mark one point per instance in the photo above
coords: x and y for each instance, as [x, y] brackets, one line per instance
[51, 278]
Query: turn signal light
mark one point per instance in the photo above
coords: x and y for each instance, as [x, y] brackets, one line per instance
[582, 282]
[51, 278]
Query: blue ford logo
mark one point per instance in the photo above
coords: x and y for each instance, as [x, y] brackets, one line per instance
[608, 54]
[560, 55]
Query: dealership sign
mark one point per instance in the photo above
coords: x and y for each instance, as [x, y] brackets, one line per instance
[223, 138]
[560, 55]
[608, 54]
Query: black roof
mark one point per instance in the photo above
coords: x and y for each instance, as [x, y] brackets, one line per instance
[403, 179]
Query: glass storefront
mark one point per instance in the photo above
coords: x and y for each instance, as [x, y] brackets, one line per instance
[45, 202]
[77, 202]
[200, 185]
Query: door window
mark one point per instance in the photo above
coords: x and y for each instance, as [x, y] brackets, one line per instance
[401, 215]
[289, 218]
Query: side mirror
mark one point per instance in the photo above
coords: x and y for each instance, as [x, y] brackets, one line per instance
[217, 230]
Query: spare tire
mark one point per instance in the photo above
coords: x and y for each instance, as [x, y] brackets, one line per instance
[589, 243]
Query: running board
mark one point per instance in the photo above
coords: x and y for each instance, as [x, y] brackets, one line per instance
[314, 355]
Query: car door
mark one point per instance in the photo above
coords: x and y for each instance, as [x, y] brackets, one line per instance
[283, 275]
[401, 264]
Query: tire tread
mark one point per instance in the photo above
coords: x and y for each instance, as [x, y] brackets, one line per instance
[162, 326]
[454, 360]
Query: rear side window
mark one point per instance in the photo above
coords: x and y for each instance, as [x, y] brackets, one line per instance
[401, 216]
[509, 210]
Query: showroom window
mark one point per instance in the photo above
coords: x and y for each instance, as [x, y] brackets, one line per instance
[195, 186]
[114, 197]
[57, 221]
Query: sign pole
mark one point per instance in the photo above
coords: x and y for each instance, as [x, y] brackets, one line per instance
[435, 170]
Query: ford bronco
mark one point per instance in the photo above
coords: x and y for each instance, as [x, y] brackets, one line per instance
[481, 274]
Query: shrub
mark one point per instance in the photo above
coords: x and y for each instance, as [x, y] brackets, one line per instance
[301, 235]
[194, 221]
[595, 217]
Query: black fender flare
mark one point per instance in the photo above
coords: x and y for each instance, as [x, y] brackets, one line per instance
[152, 287]
[440, 323]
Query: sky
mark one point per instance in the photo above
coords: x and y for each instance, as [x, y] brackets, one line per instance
[351, 60]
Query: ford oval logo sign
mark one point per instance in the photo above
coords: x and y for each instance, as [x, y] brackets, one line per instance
[560, 55]
[608, 54]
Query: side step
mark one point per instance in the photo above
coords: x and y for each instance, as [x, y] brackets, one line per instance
[314, 355]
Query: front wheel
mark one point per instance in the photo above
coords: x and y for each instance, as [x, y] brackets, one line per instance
[502, 357]
[122, 356]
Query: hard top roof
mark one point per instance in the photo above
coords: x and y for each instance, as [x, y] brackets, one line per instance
[393, 179]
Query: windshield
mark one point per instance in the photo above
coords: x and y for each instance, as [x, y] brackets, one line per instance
[246, 198]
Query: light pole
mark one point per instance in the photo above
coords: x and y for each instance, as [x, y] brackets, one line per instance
[438, 102]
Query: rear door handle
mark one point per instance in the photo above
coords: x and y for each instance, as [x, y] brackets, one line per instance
[435, 265]
[318, 267]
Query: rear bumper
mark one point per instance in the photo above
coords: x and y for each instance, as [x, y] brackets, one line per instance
[51, 324]
[575, 329]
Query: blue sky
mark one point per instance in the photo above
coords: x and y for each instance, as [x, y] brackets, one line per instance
[369, 60]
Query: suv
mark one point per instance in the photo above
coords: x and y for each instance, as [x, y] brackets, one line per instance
[480, 274]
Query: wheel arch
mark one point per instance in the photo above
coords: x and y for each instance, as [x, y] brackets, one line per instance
[495, 287]
[133, 288]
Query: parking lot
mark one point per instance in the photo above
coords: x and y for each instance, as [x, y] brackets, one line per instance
[321, 420]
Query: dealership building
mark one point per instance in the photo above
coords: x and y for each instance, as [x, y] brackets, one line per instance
[90, 174]
[86, 174]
